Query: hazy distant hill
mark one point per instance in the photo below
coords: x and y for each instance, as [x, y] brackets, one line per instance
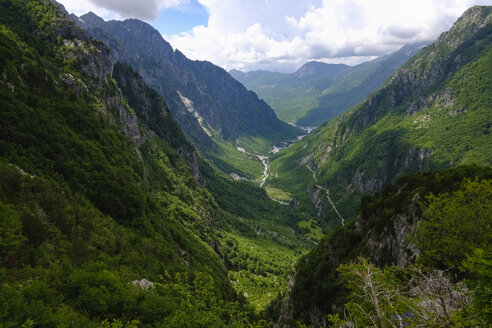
[317, 92]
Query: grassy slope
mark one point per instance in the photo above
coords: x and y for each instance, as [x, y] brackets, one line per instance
[225, 157]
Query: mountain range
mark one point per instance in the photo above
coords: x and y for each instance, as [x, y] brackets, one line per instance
[434, 112]
[318, 92]
[108, 214]
[208, 104]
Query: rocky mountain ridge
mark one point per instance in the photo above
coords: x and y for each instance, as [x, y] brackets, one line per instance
[224, 105]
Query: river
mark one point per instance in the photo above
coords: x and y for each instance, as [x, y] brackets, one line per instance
[276, 149]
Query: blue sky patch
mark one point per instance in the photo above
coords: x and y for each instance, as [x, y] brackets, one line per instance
[182, 18]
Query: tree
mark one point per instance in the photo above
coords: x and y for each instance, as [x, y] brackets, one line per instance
[437, 296]
[478, 313]
[455, 224]
[11, 237]
[378, 298]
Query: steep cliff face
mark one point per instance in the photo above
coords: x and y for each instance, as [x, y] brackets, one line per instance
[151, 110]
[382, 232]
[224, 105]
[434, 112]
[95, 63]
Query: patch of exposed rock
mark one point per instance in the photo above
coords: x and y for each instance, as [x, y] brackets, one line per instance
[143, 283]
[366, 185]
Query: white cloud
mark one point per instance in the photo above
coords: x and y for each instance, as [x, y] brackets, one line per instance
[283, 34]
[80, 7]
[147, 10]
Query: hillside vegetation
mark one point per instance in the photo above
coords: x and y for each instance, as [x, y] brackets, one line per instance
[434, 112]
[110, 217]
[416, 244]
[99, 188]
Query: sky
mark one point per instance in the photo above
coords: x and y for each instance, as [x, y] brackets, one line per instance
[281, 35]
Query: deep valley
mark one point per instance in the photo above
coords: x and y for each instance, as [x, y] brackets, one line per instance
[141, 188]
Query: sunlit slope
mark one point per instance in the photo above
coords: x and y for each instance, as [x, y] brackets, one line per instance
[434, 112]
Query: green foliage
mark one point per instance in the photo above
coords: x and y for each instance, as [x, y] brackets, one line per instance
[98, 257]
[478, 269]
[278, 194]
[454, 225]
[376, 298]
[317, 281]
[313, 228]
[11, 238]
[118, 324]
[196, 304]
[259, 267]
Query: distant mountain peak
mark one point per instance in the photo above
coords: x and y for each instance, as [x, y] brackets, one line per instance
[92, 19]
[316, 67]
[235, 71]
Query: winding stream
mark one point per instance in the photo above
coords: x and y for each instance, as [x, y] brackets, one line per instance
[264, 161]
[276, 149]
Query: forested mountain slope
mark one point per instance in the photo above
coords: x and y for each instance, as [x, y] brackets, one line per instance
[109, 217]
[434, 112]
[98, 188]
[424, 237]
[317, 92]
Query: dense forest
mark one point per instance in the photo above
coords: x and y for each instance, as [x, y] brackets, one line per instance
[91, 197]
